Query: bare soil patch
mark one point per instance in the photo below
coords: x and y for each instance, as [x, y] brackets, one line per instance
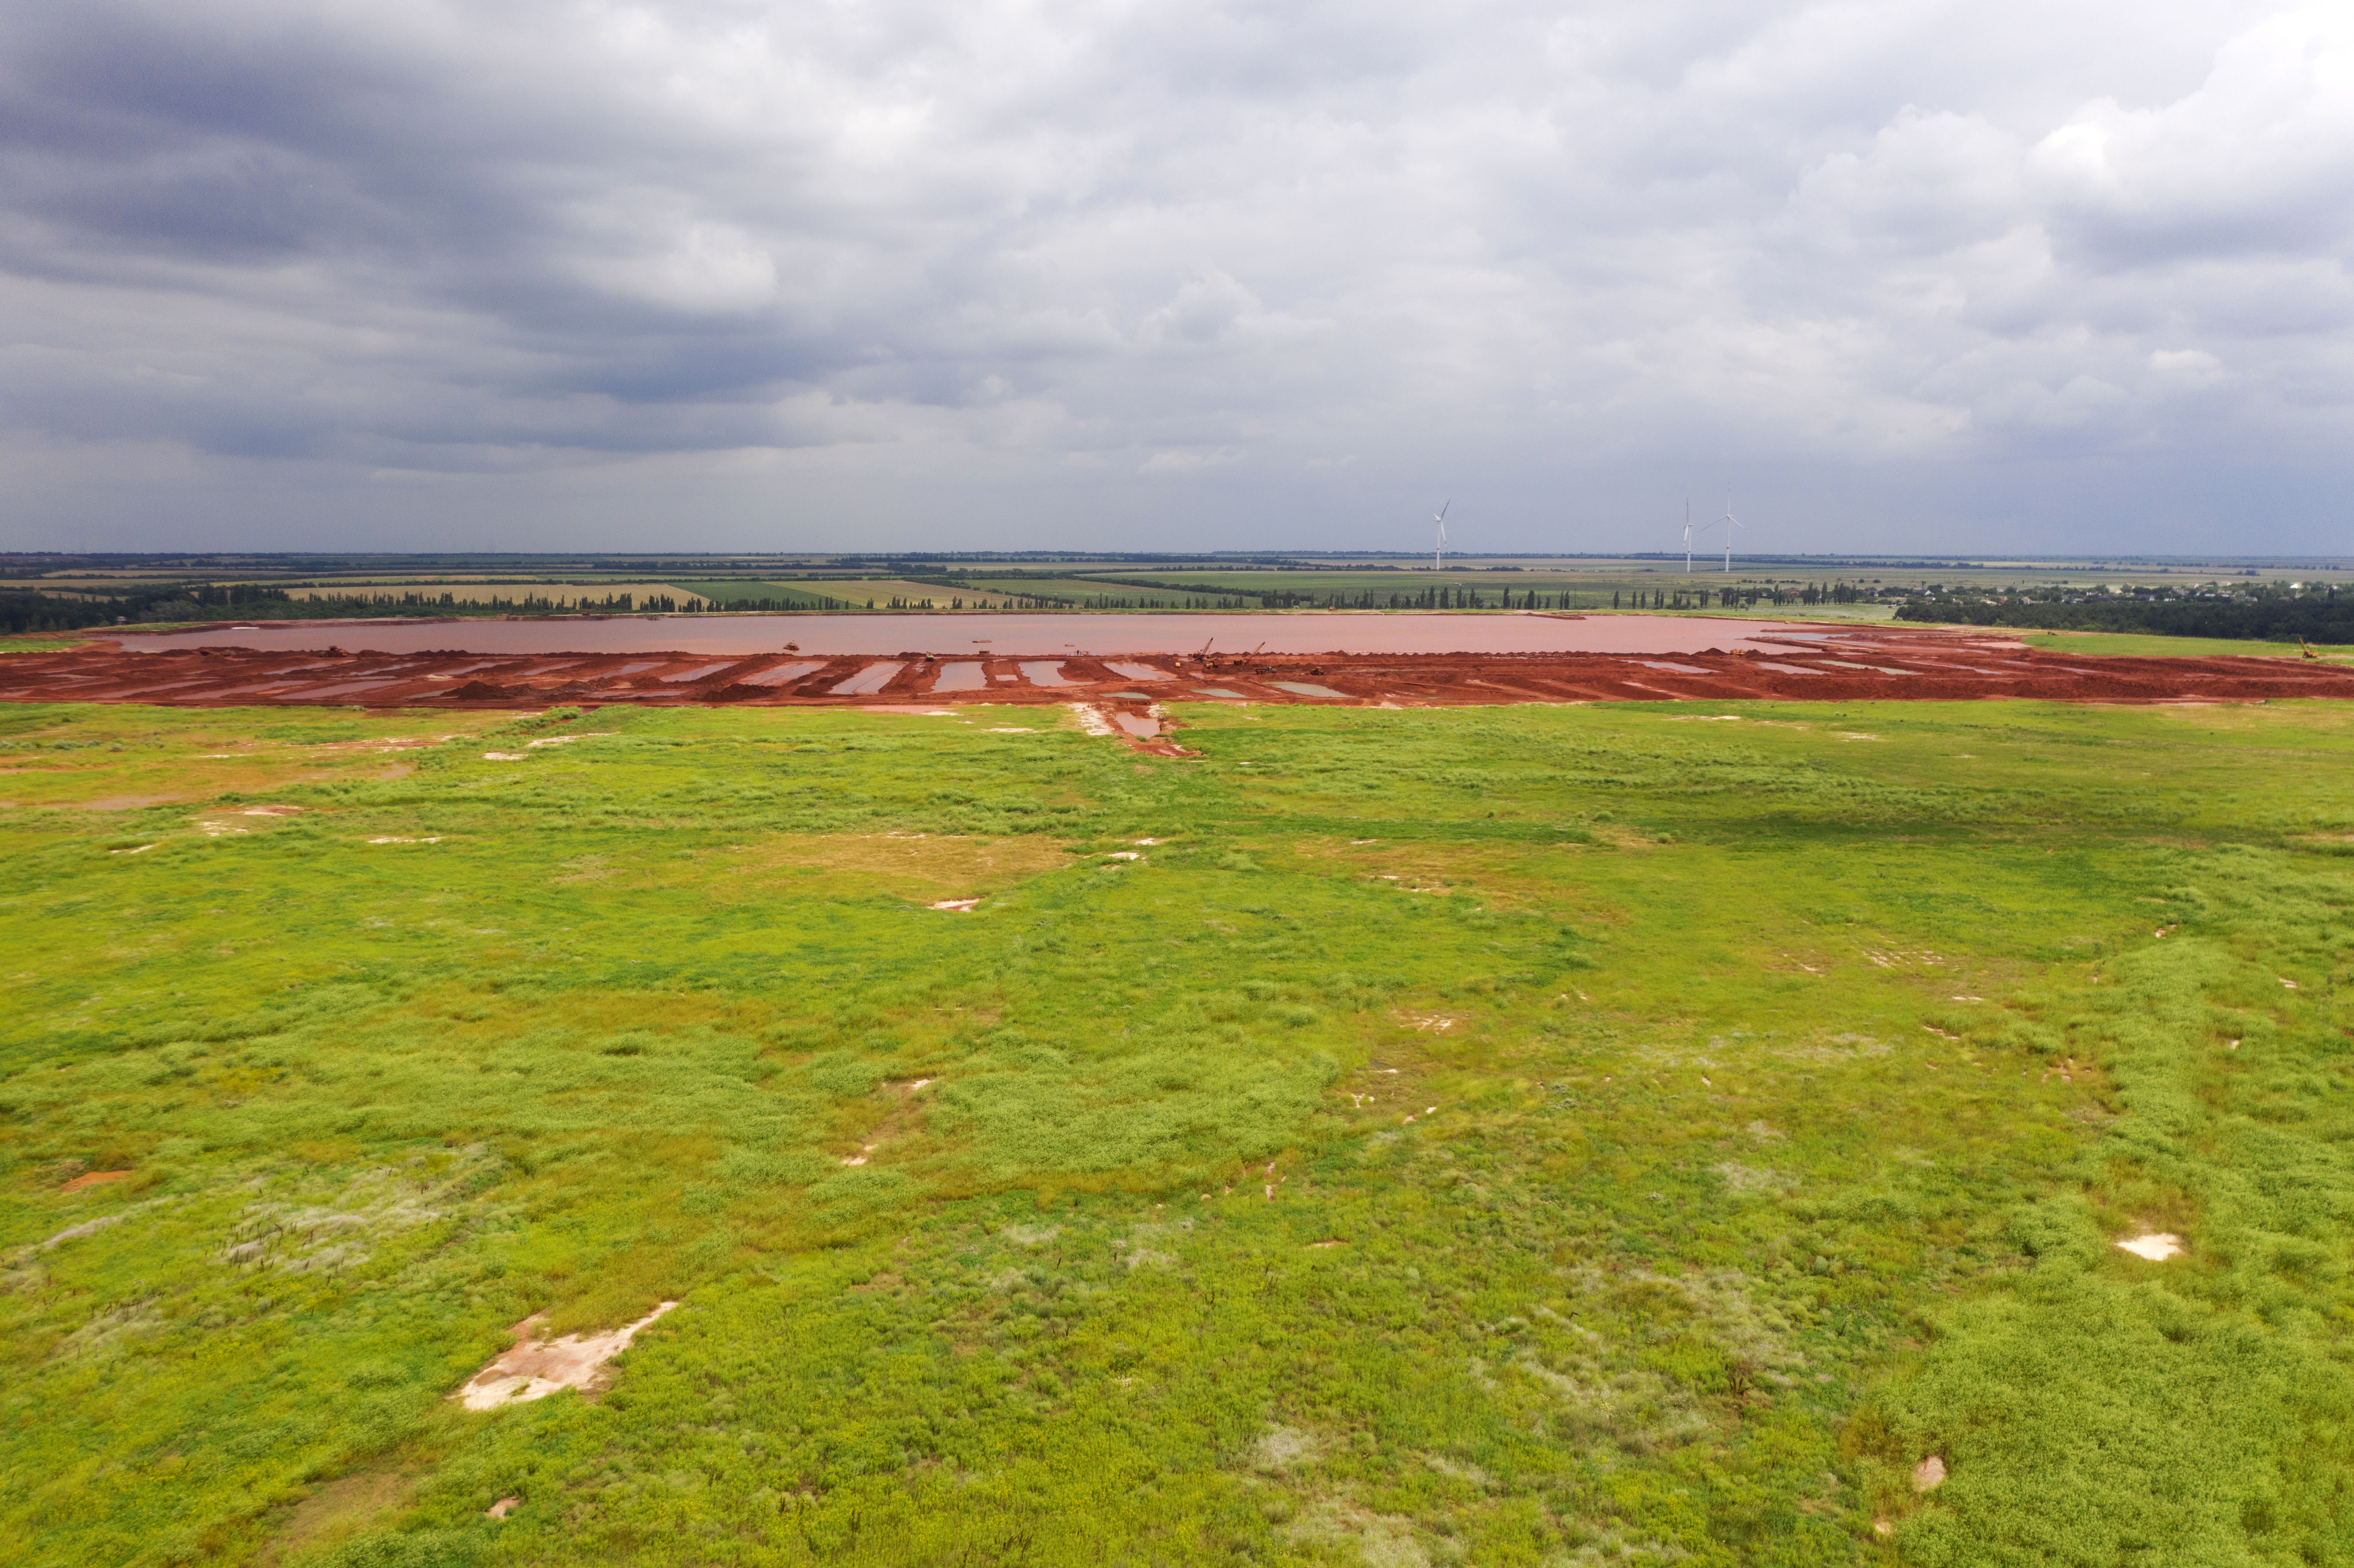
[2156, 1245]
[536, 1368]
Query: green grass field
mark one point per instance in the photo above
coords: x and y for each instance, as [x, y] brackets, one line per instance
[2126, 645]
[1528, 1135]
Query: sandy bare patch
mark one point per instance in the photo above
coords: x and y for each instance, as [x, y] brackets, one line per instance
[93, 1179]
[1428, 1022]
[502, 1508]
[568, 739]
[87, 1228]
[960, 906]
[535, 1369]
[1383, 1540]
[1281, 1448]
[1092, 721]
[1929, 1474]
[502, 757]
[1743, 1180]
[2155, 1245]
[1030, 1235]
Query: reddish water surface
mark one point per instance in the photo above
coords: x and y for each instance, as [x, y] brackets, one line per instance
[1007, 636]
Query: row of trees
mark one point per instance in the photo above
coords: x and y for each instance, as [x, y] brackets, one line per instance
[1743, 595]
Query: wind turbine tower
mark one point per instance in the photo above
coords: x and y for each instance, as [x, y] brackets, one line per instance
[1731, 523]
[1438, 548]
[1687, 536]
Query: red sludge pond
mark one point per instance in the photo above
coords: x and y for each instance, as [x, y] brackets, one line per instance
[1004, 636]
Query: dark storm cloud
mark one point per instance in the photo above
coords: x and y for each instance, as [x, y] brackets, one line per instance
[1091, 267]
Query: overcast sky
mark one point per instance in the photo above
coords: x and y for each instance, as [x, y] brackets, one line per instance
[1907, 275]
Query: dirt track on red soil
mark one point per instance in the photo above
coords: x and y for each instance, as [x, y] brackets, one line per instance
[1827, 664]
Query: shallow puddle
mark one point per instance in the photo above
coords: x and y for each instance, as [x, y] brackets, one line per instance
[782, 675]
[867, 681]
[959, 678]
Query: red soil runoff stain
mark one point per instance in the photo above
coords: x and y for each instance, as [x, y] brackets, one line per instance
[1778, 661]
[93, 1179]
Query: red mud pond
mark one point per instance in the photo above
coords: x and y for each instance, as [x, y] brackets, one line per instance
[671, 661]
[1010, 636]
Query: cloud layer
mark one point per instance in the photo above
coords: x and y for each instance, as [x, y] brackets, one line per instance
[1977, 276]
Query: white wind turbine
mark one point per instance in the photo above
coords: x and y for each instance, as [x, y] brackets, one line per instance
[1731, 523]
[1687, 536]
[1438, 550]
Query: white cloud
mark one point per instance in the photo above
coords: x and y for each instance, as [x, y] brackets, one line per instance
[709, 268]
[1047, 258]
[1188, 461]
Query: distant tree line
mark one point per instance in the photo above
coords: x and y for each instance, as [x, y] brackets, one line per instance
[1744, 595]
[47, 613]
[2270, 612]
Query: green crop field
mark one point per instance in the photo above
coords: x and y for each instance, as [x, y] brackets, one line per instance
[2128, 645]
[1640, 1134]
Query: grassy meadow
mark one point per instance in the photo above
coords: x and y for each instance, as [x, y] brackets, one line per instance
[1623, 1134]
[2133, 645]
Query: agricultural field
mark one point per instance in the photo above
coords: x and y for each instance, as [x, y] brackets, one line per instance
[485, 593]
[1625, 1134]
[2132, 645]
